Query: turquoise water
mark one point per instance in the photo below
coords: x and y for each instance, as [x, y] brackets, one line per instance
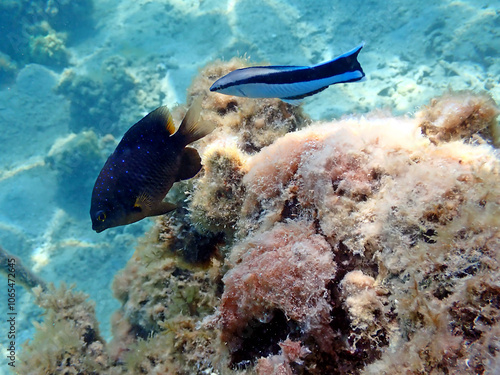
[68, 70]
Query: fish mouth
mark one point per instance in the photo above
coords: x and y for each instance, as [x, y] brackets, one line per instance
[98, 229]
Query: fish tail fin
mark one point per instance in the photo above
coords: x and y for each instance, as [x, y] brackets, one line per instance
[352, 58]
[346, 66]
[191, 128]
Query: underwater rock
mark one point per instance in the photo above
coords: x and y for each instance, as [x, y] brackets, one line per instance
[60, 11]
[281, 364]
[244, 127]
[98, 102]
[405, 228]
[181, 237]
[36, 79]
[47, 47]
[8, 68]
[216, 202]
[164, 301]
[397, 211]
[285, 269]
[460, 115]
[23, 275]
[36, 28]
[68, 341]
[182, 348]
[75, 159]
[357, 246]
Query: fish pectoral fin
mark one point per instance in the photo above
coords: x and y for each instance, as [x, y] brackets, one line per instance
[162, 208]
[144, 202]
[190, 164]
[295, 102]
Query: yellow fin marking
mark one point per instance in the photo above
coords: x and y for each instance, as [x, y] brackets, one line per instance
[170, 124]
[142, 200]
[162, 115]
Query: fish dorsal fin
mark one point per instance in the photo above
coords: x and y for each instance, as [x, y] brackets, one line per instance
[191, 128]
[190, 164]
[162, 115]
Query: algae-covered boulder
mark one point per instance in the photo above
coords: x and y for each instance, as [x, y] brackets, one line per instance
[37, 31]
[366, 245]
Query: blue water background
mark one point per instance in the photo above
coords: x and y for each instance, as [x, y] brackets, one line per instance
[100, 65]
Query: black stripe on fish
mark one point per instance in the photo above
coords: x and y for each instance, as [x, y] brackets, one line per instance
[296, 98]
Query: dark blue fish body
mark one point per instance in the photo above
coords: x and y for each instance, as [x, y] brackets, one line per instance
[290, 83]
[142, 169]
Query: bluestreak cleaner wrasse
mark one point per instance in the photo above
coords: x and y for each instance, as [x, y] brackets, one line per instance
[150, 157]
[291, 83]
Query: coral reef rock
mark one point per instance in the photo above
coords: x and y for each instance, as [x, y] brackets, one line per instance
[36, 31]
[460, 115]
[282, 272]
[68, 341]
[100, 103]
[366, 245]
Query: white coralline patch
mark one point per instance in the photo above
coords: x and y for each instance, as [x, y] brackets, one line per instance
[47, 243]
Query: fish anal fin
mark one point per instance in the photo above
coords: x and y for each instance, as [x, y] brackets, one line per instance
[146, 204]
[162, 208]
[190, 164]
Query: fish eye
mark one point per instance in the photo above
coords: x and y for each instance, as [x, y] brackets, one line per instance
[101, 216]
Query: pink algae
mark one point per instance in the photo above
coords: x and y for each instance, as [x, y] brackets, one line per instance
[287, 268]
